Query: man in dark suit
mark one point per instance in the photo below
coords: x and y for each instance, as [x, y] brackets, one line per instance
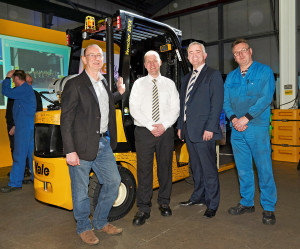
[87, 115]
[201, 100]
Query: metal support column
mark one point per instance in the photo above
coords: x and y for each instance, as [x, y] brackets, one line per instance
[287, 53]
[110, 52]
[221, 37]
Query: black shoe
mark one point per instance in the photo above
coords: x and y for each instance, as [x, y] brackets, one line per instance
[165, 210]
[27, 181]
[209, 213]
[268, 218]
[240, 209]
[191, 203]
[140, 218]
[8, 189]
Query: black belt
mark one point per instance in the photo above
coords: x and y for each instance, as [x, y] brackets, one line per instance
[104, 134]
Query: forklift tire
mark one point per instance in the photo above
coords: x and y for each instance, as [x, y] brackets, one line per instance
[125, 199]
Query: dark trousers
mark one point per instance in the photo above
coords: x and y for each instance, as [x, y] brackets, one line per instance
[146, 144]
[11, 140]
[12, 145]
[205, 172]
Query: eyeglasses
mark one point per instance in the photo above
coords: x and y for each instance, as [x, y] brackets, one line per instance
[94, 56]
[243, 51]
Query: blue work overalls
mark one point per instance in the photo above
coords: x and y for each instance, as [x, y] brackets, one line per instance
[23, 113]
[252, 95]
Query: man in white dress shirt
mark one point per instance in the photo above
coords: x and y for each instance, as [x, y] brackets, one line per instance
[154, 106]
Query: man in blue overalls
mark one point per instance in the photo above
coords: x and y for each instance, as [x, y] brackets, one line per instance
[23, 115]
[248, 94]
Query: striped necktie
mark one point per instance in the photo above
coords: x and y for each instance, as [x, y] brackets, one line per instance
[190, 86]
[155, 102]
[189, 90]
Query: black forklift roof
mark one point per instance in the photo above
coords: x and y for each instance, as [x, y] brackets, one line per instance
[146, 26]
[125, 29]
[142, 29]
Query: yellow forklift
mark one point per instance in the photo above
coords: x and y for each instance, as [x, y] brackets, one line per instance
[133, 35]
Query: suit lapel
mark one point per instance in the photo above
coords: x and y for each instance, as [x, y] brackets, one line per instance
[186, 82]
[90, 86]
[198, 80]
[105, 84]
[109, 93]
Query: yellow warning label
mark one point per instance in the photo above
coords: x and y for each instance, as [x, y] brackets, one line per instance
[288, 92]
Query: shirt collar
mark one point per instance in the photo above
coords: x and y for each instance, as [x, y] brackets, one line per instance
[157, 78]
[93, 80]
[199, 68]
[246, 68]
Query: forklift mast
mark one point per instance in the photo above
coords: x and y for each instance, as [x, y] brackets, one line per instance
[135, 35]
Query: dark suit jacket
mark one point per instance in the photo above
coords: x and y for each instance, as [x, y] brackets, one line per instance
[204, 106]
[80, 117]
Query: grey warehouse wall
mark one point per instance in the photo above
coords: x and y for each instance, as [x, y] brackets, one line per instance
[18, 14]
[240, 19]
[246, 18]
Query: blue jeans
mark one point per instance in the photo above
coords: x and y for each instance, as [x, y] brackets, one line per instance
[105, 168]
[254, 143]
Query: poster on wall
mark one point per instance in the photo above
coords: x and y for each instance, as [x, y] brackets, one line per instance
[45, 62]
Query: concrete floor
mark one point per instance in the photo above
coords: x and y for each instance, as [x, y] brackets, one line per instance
[28, 224]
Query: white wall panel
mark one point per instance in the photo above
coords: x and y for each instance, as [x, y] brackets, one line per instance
[298, 39]
[247, 17]
[235, 19]
[298, 11]
[298, 50]
[200, 25]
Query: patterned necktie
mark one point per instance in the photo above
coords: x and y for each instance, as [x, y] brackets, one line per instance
[189, 90]
[190, 86]
[155, 102]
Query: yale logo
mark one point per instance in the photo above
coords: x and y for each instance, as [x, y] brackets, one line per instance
[41, 170]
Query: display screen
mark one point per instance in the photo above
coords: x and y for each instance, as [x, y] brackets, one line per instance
[45, 62]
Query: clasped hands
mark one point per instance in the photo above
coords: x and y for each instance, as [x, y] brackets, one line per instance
[240, 124]
[158, 130]
[207, 135]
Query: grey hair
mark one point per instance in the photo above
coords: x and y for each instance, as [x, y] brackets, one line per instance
[197, 43]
